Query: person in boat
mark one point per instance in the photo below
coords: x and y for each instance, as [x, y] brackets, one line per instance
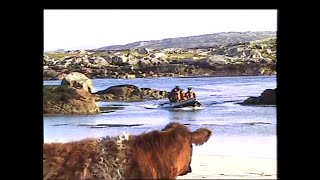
[190, 94]
[181, 95]
[174, 95]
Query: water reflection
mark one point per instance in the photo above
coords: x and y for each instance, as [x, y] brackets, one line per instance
[184, 115]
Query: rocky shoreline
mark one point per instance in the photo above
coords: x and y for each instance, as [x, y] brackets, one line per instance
[267, 97]
[239, 59]
[75, 95]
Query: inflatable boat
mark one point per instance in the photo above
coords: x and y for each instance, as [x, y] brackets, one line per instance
[192, 103]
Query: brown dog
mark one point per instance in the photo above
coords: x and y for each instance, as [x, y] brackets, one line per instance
[163, 154]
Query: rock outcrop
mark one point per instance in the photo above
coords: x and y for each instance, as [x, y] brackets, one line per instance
[64, 99]
[251, 58]
[128, 92]
[268, 97]
[78, 80]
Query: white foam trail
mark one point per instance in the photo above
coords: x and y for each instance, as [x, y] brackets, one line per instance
[150, 106]
[189, 108]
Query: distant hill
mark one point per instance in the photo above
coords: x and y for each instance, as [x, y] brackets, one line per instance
[222, 38]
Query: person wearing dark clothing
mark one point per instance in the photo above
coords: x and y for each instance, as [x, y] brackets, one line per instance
[174, 95]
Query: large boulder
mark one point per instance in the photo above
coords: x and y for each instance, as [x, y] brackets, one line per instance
[142, 63]
[78, 80]
[237, 51]
[100, 61]
[255, 54]
[129, 92]
[217, 59]
[267, 97]
[159, 55]
[119, 59]
[144, 51]
[64, 99]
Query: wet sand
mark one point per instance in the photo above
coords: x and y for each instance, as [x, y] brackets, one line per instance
[231, 167]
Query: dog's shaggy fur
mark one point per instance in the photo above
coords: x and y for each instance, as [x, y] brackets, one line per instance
[163, 154]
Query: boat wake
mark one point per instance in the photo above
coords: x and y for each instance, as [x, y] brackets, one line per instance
[150, 106]
[186, 105]
[191, 108]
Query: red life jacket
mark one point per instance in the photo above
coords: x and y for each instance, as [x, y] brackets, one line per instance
[182, 95]
[178, 93]
[190, 95]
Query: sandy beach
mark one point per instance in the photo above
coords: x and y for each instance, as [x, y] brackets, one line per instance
[231, 167]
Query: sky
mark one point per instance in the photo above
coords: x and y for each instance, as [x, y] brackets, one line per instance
[88, 29]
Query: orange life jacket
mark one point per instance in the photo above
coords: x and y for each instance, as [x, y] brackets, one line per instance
[190, 95]
[182, 95]
[178, 93]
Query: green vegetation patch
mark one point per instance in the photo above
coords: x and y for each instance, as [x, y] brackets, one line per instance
[59, 55]
[184, 56]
